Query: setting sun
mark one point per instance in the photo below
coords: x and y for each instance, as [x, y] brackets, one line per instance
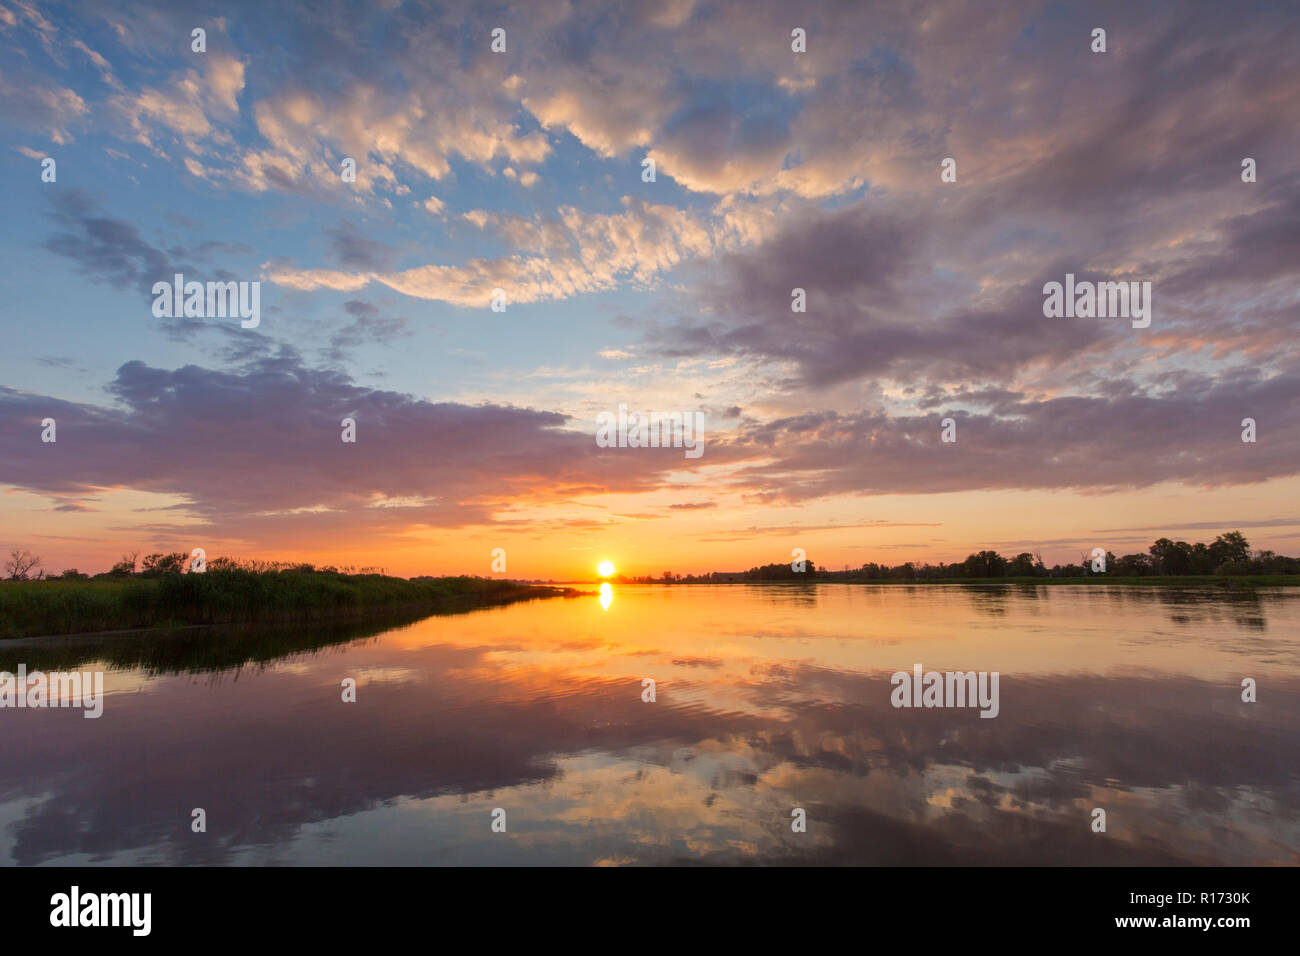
[605, 568]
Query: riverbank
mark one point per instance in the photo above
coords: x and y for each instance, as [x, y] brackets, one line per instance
[238, 596]
[1212, 581]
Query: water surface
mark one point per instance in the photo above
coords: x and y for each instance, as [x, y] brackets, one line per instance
[768, 698]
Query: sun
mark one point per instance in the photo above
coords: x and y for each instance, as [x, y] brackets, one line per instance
[605, 568]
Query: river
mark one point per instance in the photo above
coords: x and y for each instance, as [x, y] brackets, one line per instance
[771, 738]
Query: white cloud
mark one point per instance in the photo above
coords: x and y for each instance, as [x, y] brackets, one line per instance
[572, 254]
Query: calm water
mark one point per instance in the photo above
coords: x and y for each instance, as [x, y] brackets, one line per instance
[768, 698]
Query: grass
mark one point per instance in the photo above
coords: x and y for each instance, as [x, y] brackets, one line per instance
[236, 596]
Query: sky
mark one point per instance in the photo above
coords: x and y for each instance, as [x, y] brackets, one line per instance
[525, 170]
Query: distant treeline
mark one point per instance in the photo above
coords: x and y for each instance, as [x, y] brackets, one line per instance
[22, 565]
[1228, 554]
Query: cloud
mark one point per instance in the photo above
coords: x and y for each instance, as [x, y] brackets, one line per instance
[873, 308]
[367, 326]
[112, 250]
[569, 254]
[1191, 434]
[778, 171]
[353, 250]
[104, 248]
[31, 104]
[100, 62]
[283, 468]
[193, 108]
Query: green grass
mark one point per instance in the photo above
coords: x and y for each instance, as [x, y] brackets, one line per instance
[235, 596]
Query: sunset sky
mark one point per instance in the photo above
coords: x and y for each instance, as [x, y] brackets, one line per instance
[522, 170]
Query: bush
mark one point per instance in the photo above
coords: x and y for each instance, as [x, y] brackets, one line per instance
[229, 593]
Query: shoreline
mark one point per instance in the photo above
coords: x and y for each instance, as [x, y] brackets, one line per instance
[1222, 582]
[31, 610]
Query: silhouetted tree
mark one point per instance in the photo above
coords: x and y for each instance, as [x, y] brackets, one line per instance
[21, 564]
[986, 564]
[1232, 546]
[1172, 557]
[158, 564]
[1021, 566]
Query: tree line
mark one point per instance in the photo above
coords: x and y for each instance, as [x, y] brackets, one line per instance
[22, 565]
[1228, 554]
